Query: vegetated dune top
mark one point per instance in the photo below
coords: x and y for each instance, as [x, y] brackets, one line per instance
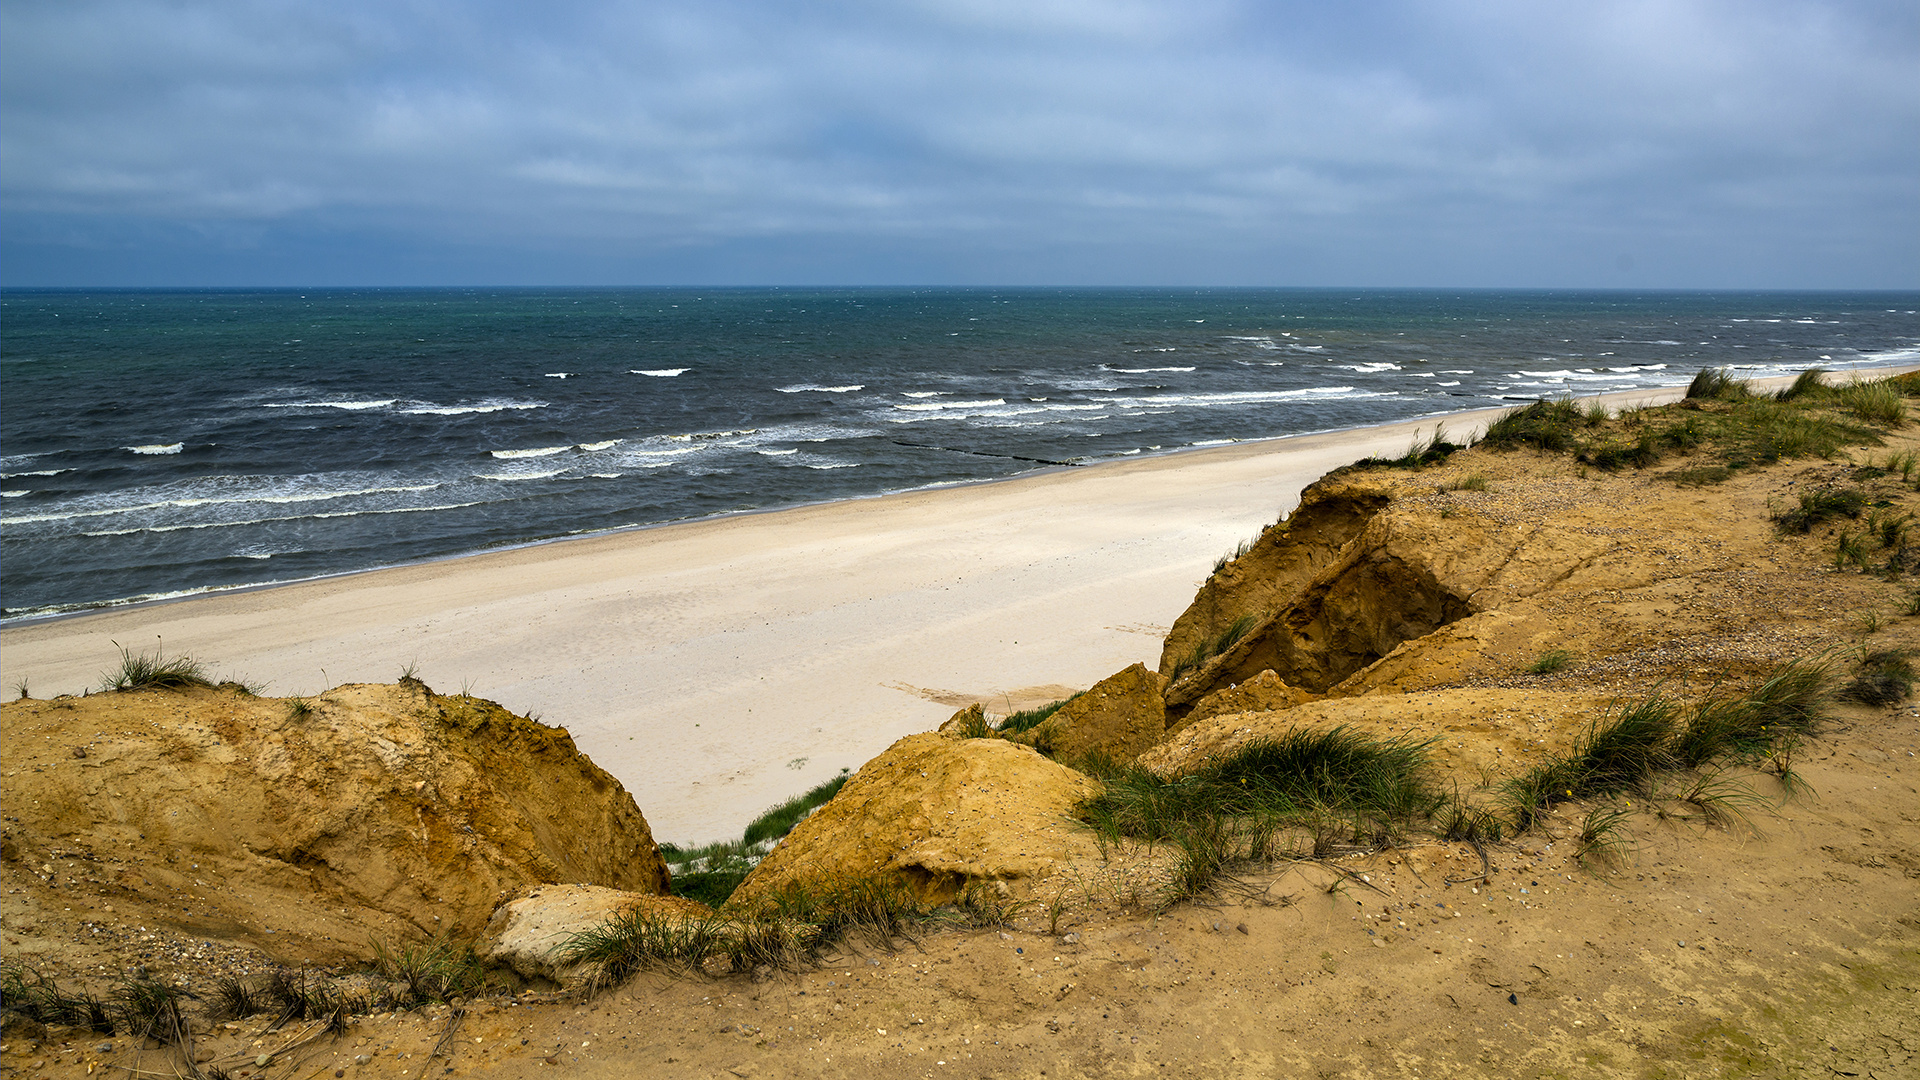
[303, 829]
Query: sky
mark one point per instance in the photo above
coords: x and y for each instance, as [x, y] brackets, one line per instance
[1474, 143]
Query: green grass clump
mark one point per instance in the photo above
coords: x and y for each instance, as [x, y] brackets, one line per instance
[1878, 402]
[1028, 719]
[428, 972]
[637, 940]
[780, 820]
[1821, 505]
[139, 671]
[1543, 425]
[1333, 783]
[1423, 453]
[38, 998]
[1715, 384]
[1809, 383]
[1883, 677]
[1551, 662]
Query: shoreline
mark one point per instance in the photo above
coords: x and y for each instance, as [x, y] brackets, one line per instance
[1648, 394]
[717, 666]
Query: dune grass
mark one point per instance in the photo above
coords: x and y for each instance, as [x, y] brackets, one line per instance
[1208, 648]
[710, 872]
[155, 671]
[1336, 785]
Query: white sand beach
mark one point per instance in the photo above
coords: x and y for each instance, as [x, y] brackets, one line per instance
[718, 667]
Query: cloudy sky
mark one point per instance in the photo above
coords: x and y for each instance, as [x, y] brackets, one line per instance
[1670, 143]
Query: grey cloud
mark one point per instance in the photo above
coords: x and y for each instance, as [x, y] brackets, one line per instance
[1410, 143]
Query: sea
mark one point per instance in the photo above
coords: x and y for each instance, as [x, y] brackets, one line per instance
[161, 444]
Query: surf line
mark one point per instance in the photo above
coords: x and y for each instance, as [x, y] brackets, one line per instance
[985, 453]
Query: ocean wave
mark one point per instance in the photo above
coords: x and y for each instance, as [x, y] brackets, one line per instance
[675, 452]
[489, 406]
[659, 373]
[1458, 371]
[776, 453]
[1908, 355]
[288, 517]
[1142, 370]
[34, 472]
[936, 405]
[1371, 368]
[607, 444]
[561, 374]
[538, 451]
[1250, 397]
[519, 476]
[351, 406]
[157, 448]
[696, 436]
[925, 393]
[1297, 347]
[837, 465]
[804, 388]
[14, 494]
[209, 500]
[1639, 367]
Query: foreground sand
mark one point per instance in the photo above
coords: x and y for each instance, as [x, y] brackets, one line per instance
[718, 667]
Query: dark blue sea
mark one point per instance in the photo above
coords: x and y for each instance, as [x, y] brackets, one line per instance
[161, 443]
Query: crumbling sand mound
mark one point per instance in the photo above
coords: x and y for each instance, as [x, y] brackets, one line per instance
[384, 812]
[1119, 717]
[936, 814]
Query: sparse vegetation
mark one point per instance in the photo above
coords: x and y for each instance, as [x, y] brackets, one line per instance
[1423, 453]
[428, 972]
[299, 709]
[1543, 425]
[1028, 719]
[1551, 662]
[141, 671]
[1716, 384]
[1603, 840]
[1821, 505]
[711, 872]
[1208, 648]
[1335, 784]
[1883, 677]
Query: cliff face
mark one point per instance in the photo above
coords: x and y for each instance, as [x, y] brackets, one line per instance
[373, 811]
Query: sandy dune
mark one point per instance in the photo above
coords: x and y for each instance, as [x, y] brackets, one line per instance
[717, 667]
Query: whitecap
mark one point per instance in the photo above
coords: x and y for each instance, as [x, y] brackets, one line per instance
[36, 472]
[837, 465]
[1143, 370]
[1561, 374]
[933, 405]
[351, 406]
[695, 435]
[560, 374]
[1368, 369]
[1640, 367]
[925, 393]
[608, 444]
[776, 453]
[805, 387]
[271, 520]
[462, 410]
[1907, 355]
[1456, 382]
[538, 451]
[157, 448]
[519, 476]
[318, 496]
[1458, 371]
[1296, 347]
[659, 373]
[606, 476]
[13, 494]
